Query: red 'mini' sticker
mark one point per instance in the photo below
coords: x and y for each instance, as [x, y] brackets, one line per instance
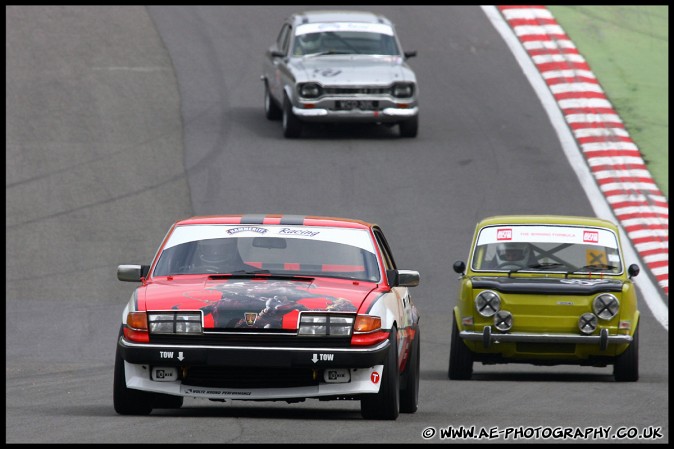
[504, 234]
[591, 236]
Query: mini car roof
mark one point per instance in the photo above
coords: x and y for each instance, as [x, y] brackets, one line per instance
[276, 219]
[547, 219]
[319, 16]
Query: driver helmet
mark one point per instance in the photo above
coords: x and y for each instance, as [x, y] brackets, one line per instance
[513, 252]
[311, 42]
[218, 251]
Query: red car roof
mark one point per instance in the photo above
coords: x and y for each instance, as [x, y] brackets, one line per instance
[280, 219]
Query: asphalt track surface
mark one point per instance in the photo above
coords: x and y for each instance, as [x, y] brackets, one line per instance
[121, 120]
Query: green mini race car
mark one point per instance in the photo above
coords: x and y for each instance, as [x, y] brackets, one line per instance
[546, 290]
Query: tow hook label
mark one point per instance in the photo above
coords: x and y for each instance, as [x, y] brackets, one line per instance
[323, 357]
[170, 354]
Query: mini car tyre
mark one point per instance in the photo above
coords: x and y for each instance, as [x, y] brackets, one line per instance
[271, 110]
[409, 128]
[626, 367]
[409, 393]
[385, 405]
[292, 127]
[460, 357]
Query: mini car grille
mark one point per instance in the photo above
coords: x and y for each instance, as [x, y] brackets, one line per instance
[547, 348]
[250, 377]
[357, 91]
[275, 341]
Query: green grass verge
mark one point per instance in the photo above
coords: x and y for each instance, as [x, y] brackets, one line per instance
[627, 48]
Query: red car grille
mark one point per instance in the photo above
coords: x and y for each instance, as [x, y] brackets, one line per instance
[247, 377]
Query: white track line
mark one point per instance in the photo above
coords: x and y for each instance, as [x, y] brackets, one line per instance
[658, 247]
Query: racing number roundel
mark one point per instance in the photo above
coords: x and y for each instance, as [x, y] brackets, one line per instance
[374, 377]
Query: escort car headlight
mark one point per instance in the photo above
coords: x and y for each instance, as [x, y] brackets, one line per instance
[325, 325]
[310, 90]
[605, 306]
[403, 90]
[487, 303]
[175, 323]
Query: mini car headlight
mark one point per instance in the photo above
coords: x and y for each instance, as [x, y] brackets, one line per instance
[487, 303]
[587, 323]
[403, 90]
[325, 325]
[503, 320]
[310, 90]
[605, 306]
[175, 323]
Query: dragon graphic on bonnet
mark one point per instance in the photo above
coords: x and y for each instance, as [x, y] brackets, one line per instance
[276, 303]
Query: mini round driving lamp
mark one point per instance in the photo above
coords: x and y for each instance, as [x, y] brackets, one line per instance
[487, 303]
[587, 323]
[503, 320]
[605, 306]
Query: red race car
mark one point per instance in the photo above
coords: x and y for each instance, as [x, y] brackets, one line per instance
[269, 307]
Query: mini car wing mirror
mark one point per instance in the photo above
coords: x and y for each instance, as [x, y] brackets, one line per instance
[459, 267]
[132, 273]
[403, 278]
[633, 270]
[410, 54]
[276, 54]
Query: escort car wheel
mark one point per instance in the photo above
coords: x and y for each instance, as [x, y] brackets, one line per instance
[409, 127]
[292, 127]
[271, 110]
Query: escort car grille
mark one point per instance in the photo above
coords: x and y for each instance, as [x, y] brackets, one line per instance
[356, 91]
[250, 377]
[275, 341]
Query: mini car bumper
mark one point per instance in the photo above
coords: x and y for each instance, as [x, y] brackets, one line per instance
[362, 367]
[602, 340]
[384, 115]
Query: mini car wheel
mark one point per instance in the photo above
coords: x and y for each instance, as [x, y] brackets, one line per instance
[271, 110]
[460, 357]
[386, 403]
[409, 393]
[626, 367]
[292, 127]
[409, 128]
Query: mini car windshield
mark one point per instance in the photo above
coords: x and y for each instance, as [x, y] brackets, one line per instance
[564, 249]
[344, 42]
[270, 250]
